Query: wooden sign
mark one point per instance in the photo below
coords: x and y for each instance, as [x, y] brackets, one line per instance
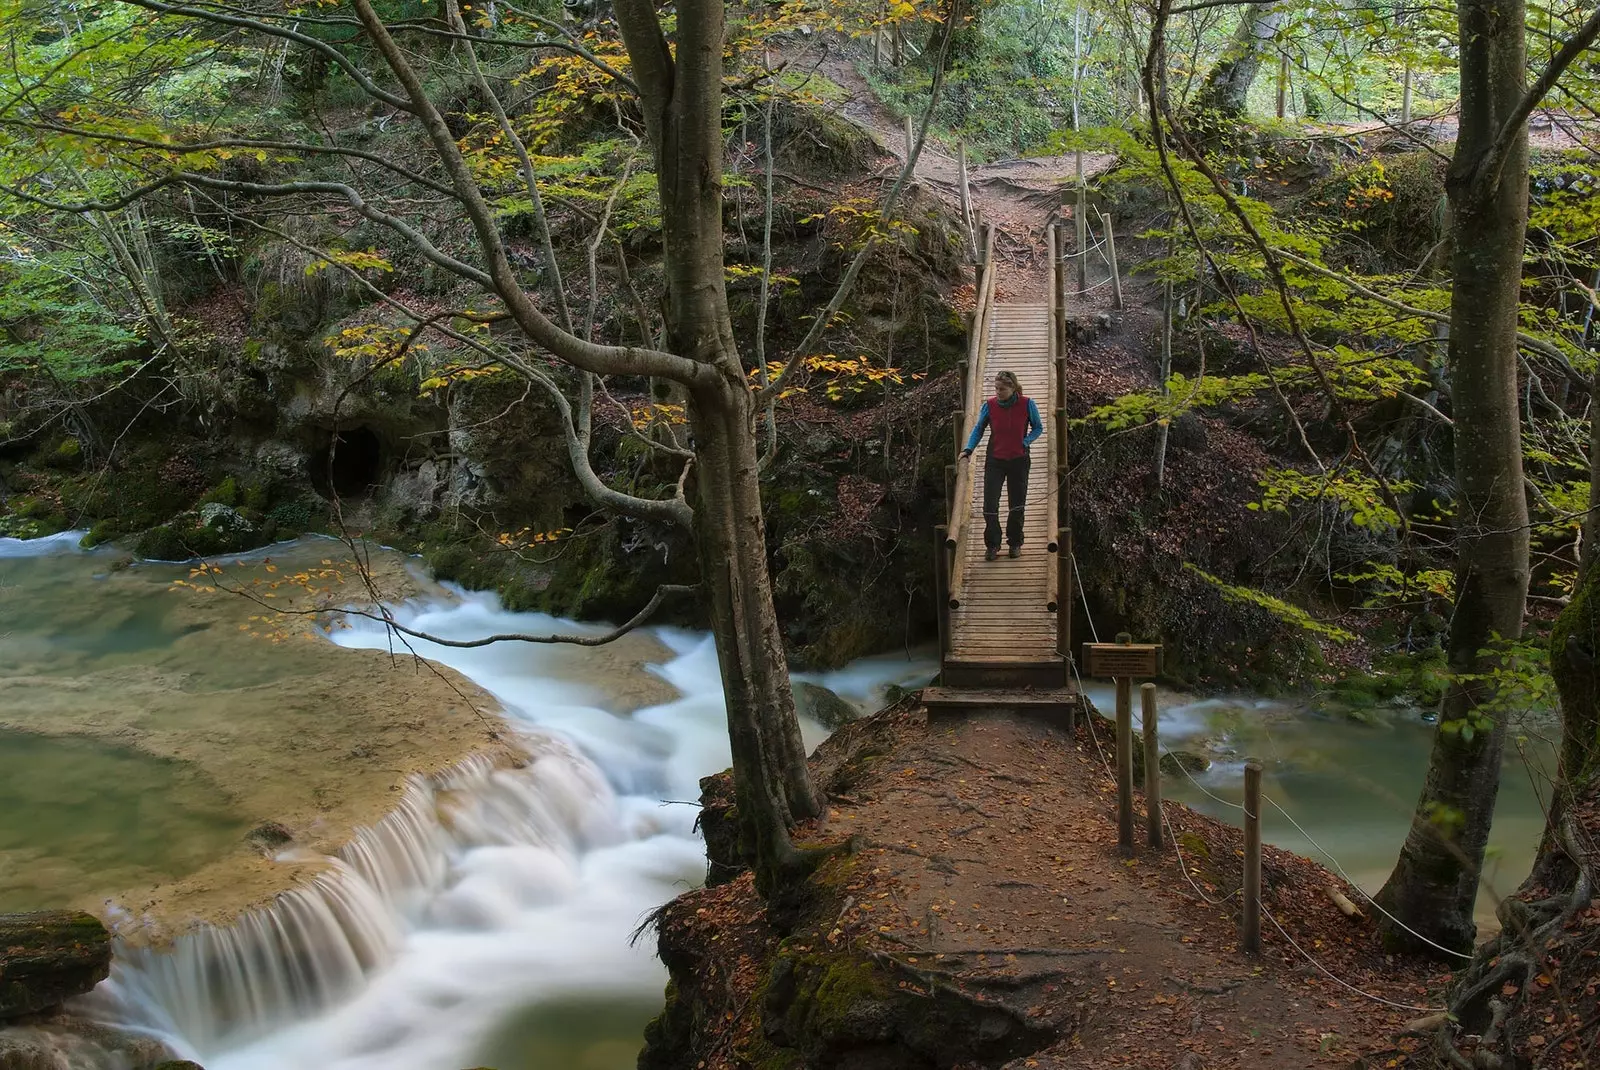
[1126, 660]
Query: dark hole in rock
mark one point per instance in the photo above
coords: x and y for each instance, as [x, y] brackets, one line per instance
[347, 463]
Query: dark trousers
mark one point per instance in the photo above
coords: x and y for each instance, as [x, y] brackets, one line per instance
[1013, 474]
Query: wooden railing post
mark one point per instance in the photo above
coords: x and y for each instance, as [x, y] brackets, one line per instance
[1064, 600]
[1082, 214]
[1152, 766]
[1250, 923]
[950, 486]
[966, 200]
[1125, 765]
[1111, 261]
[977, 348]
[941, 587]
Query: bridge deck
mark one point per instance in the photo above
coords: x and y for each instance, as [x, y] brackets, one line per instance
[1002, 614]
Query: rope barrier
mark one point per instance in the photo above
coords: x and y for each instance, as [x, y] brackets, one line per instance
[1335, 977]
[1183, 865]
[1357, 887]
[1337, 865]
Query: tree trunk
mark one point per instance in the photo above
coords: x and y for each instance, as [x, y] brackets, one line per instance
[772, 781]
[1227, 88]
[48, 957]
[1435, 881]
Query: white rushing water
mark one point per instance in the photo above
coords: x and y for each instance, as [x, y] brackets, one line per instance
[487, 894]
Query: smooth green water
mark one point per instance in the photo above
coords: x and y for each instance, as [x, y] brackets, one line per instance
[575, 1034]
[1350, 786]
[77, 813]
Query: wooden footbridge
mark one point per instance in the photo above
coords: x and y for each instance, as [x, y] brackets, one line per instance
[1005, 625]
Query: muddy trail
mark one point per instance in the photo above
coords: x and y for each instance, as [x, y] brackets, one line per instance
[985, 874]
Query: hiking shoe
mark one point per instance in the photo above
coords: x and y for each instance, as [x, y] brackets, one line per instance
[1015, 551]
[991, 553]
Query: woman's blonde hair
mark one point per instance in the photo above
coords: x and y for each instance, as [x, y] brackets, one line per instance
[1011, 378]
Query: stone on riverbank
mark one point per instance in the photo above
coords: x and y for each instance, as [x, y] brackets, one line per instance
[47, 957]
[823, 706]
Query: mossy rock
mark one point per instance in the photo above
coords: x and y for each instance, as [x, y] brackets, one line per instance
[187, 538]
[822, 705]
[1174, 763]
[66, 456]
[224, 493]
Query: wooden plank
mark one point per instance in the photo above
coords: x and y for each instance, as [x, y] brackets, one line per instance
[1001, 622]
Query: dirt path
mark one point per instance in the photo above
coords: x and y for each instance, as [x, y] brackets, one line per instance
[992, 848]
[1019, 196]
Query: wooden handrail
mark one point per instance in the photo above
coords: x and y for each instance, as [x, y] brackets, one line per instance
[978, 352]
[977, 349]
[1054, 401]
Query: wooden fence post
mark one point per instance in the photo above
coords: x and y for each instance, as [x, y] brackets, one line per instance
[1250, 924]
[1152, 766]
[966, 200]
[950, 486]
[1125, 765]
[911, 136]
[1111, 260]
[1283, 84]
[1064, 604]
[1082, 214]
[941, 586]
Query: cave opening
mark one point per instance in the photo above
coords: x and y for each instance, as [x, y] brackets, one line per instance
[347, 463]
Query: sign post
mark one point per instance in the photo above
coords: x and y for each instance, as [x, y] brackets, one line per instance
[1124, 661]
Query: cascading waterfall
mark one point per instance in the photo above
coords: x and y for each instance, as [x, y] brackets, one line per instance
[485, 920]
[220, 986]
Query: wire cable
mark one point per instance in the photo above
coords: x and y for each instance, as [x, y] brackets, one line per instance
[1357, 887]
[1335, 977]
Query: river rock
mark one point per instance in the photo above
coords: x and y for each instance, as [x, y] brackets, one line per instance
[1173, 762]
[69, 1042]
[823, 706]
[224, 518]
[47, 957]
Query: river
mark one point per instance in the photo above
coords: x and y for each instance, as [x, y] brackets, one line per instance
[485, 922]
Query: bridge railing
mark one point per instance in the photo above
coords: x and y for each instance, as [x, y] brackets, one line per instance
[1060, 586]
[972, 399]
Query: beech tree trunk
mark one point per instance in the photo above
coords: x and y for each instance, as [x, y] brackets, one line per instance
[1435, 882]
[1227, 87]
[772, 781]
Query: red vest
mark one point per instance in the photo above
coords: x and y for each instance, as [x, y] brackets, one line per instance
[1007, 426]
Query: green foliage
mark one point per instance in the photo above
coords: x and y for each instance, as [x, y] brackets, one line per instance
[1183, 395]
[1357, 495]
[1518, 681]
[1277, 607]
[1387, 584]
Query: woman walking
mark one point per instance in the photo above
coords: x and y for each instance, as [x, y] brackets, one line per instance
[1013, 421]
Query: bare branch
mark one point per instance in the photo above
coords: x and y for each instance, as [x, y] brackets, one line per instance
[385, 618]
[530, 177]
[589, 356]
[848, 281]
[1486, 175]
[227, 18]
